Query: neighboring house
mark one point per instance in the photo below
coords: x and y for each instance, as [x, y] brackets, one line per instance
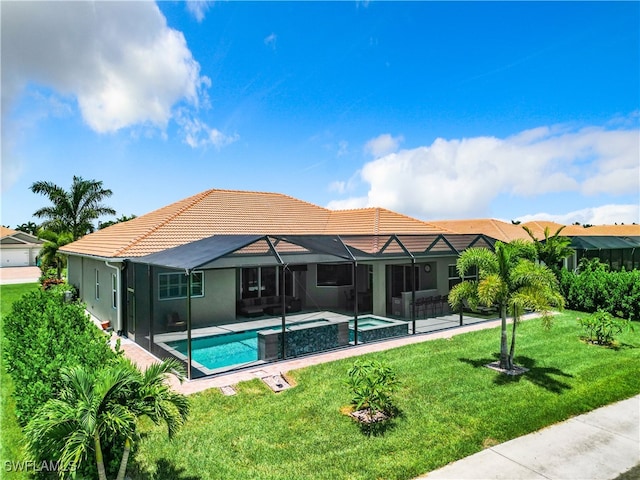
[616, 245]
[18, 249]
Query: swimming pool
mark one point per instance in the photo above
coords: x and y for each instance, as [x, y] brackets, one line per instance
[229, 349]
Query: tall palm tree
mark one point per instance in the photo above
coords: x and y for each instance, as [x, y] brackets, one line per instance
[508, 278]
[73, 211]
[50, 257]
[553, 250]
[95, 406]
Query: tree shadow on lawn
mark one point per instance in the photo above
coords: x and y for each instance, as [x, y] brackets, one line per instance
[541, 376]
[165, 470]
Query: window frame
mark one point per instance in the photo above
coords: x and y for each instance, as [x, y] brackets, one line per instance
[181, 285]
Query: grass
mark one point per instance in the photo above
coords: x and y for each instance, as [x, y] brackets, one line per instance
[451, 406]
[11, 437]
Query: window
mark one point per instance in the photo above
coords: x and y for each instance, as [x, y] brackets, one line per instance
[174, 285]
[97, 284]
[334, 274]
[114, 291]
[259, 282]
[402, 279]
[454, 279]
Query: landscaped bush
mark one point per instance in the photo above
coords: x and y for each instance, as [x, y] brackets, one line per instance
[602, 327]
[372, 385]
[595, 288]
[43, 334]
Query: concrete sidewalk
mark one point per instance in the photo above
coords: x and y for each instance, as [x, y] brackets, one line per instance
[599, 445]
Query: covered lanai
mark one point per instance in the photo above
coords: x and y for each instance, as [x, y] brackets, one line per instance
[278, 296]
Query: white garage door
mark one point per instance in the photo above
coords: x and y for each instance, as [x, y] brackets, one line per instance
[15, 257]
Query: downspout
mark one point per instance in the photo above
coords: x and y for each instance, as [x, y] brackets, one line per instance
[119, 326]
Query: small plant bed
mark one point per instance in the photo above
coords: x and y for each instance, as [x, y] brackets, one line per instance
[516, 370]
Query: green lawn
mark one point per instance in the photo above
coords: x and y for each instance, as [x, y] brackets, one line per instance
[451, 406]
[11, 438]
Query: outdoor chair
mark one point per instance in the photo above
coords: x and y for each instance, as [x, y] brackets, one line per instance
[174, 323]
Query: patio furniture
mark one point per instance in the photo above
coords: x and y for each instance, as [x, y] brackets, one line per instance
[174, 323]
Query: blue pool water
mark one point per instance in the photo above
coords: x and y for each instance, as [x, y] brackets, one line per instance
[365, 322]
[229, 349]
[220, 351]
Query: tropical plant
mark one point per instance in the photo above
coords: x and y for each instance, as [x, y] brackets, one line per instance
[372, 385]
[50, 257]
[602, 327]
[553, 250]
[73, 211]
[29, 227]
[96, 407]
[510, 279]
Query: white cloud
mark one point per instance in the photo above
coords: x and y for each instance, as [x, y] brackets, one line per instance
[198, 8]
[383, 145]
[603, 215]
[348, 204]
[460, 178]
[120, 60]
[270, 40]
[198, 134]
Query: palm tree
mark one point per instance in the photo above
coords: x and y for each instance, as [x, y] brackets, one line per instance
[96, 406]
[73, 211]
[49, 255]
[553, 250]
[508, 278]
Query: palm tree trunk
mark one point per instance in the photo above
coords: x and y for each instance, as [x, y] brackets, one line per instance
[512, 349]
[102, 474]
[504, 359]
[125, 459]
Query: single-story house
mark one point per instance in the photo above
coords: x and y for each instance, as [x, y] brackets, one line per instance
[223, 260]
[258, 276]
[18, 249]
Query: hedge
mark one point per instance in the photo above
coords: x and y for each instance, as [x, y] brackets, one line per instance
[42, 334]
[595, 288]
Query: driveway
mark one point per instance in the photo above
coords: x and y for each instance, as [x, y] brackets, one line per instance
[19, 275]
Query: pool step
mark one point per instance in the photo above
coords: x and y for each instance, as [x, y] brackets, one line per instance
[276, 383]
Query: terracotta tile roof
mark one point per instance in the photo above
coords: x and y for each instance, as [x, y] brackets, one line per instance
[200, 216]
[507, 231]
[602, 230]
[5, 232]
[490, 227]
[376, 221]
[231, 212]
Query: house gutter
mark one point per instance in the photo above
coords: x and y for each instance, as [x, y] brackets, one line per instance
[119, 325]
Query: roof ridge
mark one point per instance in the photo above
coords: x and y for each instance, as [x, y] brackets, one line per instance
[376, 221]
[196, 198]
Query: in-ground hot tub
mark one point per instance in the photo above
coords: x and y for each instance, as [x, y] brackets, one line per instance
[372, 328]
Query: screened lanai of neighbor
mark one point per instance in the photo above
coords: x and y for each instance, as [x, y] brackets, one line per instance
[231, 301]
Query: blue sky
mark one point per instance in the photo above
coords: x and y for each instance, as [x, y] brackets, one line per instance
[439, 110]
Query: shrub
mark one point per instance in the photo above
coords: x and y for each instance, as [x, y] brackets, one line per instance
[601, 327]
[42, 334]
[372, 385]
[595, 288]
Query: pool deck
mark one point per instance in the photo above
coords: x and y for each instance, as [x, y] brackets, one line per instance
[445, 326]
